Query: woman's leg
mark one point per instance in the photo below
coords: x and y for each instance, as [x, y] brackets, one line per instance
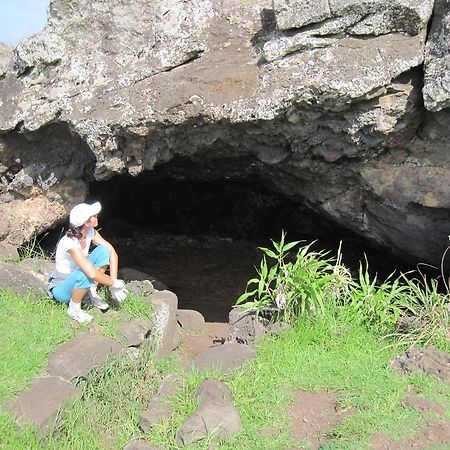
[99, 257]
[71, 291]
[74, 287]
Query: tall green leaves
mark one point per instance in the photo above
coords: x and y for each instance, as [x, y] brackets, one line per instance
[373, 303]
[309, 283]
[291, 287]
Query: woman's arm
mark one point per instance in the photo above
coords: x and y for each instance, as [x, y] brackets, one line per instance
[88, 268]
[113, 259]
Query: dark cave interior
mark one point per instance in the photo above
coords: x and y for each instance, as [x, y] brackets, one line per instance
[200, 238]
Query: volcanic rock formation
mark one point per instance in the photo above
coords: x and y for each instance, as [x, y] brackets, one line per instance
[323, 101]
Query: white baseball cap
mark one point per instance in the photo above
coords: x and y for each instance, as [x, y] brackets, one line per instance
[81, 213]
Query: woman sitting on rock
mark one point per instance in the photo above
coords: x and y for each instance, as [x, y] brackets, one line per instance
[77, 272]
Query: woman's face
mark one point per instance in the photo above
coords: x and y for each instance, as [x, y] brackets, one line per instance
[92, 222]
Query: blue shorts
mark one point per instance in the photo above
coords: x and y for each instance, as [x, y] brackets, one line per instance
[99, 257]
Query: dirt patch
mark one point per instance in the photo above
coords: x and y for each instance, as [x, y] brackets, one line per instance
[424, 405]
[433, 433]
[192, 345]
[427, 360]
[314, 414]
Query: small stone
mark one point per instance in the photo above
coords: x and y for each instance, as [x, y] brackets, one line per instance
[134, 332]
[190, 320]
[8, 252]
[40, 404]
[140, 445]
[213, 390]
[225, 358]
[165, 305]
[217, 418]
[169, 385]
[157, 412]
[81, 354]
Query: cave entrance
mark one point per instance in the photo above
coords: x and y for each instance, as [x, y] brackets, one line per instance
[200, 238]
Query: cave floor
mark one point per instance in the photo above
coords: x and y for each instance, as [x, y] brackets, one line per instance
[207, 274]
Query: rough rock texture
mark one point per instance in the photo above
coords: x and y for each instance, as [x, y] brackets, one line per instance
[216, 418]
[190, 320]
[427, 360]
[213, 390]
[157, 412]
[80, 355]
[246, 326]
[225, 358]
[329, 113]
[5, 59]
[39, 405]
[140, 445]
[436, 90]
[134, 332]
[8, 252]
[165, 327]
[21, 280]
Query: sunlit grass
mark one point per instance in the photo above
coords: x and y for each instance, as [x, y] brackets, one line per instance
[31, 328]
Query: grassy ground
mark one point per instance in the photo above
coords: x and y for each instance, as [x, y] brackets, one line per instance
[325, 354]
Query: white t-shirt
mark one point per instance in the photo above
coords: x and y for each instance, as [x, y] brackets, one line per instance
[64, 263]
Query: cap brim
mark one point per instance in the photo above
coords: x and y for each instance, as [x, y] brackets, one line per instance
[96, 208]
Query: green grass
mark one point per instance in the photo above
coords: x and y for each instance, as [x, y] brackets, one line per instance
[343, 349]
[30, 330]
[327, 354]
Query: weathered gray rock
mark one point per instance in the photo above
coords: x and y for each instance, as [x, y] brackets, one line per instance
[326, 122]
[5, 59]
[21, 280]
[140, 445]
[217, 418]
[246, 325]
[157, 412]
[177, 338]
[38, 265]
[374, 17]
[8, 252]
[133, 275]
[158, 409]
[224, 358]
[190, 320]
[436, 89]
[165, 305]
[169, 386]
[138, 288]
[427, 360]
[213, 390]
[39, 405]
[77, 357]
[134, 332]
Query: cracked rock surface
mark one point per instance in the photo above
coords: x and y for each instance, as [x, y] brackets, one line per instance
[325, 106]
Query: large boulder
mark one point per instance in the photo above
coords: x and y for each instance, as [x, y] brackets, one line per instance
[321, 100]
[436, 90]
[21, 280]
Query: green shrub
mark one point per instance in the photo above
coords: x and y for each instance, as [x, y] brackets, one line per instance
[375, 304]
[305, 285]
[429, 318]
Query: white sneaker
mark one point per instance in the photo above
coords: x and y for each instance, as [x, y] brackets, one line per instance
[79, 315]
[96, 300]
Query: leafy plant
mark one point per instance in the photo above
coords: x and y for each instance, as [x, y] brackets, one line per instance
[429, 318]
[291, 288]
[33, 249]
[376, 304]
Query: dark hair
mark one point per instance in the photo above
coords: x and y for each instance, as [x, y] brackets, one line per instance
[74, 232]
